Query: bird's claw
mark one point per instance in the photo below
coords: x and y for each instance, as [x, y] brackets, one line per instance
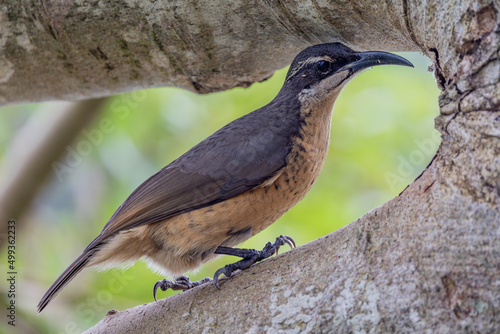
[224, 270]
[282, 240]
[253, 257]
[180, 283]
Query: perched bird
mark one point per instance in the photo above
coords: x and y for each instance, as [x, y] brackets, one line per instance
[233, 184]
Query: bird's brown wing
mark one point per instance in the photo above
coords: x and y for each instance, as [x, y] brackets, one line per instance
[235, 159]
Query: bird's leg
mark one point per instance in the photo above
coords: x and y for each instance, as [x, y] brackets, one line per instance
[180, 283]
[250, 256]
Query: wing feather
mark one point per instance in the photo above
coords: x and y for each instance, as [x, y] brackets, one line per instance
[235, 159]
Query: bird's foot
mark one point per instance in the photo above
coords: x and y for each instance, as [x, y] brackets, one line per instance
[250, 256]
[180, 283]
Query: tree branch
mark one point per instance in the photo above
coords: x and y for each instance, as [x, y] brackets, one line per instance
[393, 270]
[88, 49]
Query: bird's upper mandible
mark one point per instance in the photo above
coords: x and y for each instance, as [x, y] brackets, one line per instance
[322, 68]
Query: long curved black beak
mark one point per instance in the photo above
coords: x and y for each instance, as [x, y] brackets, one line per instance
[374, 58]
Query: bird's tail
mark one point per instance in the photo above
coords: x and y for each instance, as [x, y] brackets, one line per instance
[66, 277]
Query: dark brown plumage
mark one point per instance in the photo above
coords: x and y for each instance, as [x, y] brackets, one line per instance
[236, 182]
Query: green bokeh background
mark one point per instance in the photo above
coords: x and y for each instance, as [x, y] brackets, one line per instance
[381, 121]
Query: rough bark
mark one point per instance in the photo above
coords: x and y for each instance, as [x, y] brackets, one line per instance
[426, 261]
[95, 48]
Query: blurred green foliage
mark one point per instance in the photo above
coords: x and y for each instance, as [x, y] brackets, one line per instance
[380, 122]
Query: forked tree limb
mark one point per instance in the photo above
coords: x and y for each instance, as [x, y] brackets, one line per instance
[426, 261]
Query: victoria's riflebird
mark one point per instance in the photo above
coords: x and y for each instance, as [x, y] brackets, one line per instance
[233, 184]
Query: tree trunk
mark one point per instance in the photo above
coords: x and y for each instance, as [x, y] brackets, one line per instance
[426, 261]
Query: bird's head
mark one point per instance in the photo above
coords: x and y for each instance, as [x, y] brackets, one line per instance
[323, 69]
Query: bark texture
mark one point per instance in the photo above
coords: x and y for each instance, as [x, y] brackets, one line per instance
[426, 261]
[54, 49]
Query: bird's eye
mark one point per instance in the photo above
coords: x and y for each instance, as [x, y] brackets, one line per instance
[323, 66]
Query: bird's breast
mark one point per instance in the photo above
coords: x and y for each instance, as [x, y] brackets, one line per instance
[186, 240]
[308, 153]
